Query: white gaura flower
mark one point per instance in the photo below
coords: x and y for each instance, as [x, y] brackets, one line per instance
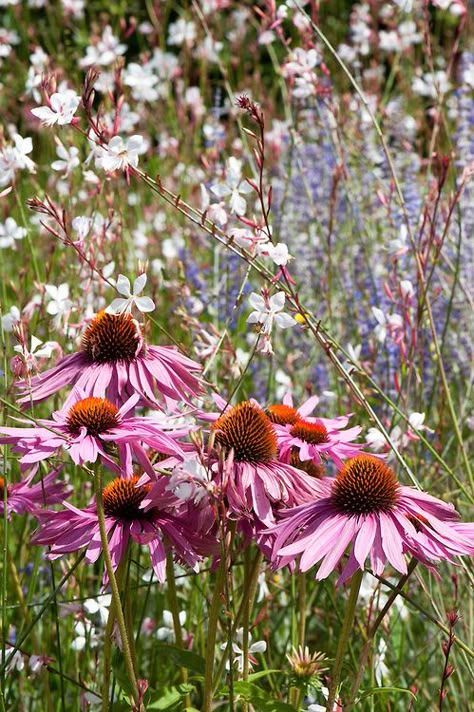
[233, 186]
[61, 109]
[68, 158]
[268, 310]
[59, 304]
[279, 253]
[11, 231]
[121, 306]
[391, 325]
[99, 606]
[166, 632]
[10, 319]
[238, 654]
[120, 155]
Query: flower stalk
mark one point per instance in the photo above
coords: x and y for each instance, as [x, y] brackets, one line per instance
[126, 649]
[343, 638]
[174, 608]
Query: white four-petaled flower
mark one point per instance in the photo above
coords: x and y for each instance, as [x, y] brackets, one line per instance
[120, 155]
[61, 109]
[268, 310]
[233, 186]
[121, 306]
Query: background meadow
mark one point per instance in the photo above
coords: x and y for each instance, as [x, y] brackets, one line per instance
[357, 160]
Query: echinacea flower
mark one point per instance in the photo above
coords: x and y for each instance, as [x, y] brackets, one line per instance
[160, 528]
[305, 438]
[27, 497]
[256, 480]
[365, 506]
[88, 429]
[115, 362]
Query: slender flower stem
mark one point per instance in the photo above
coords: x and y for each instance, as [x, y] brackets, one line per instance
[127, 654]
[108, 647]
[343, 638]
[212, 633]
[301, 594]
[174, 608]
[245, 625]
[373, 630]
[248, 594]
[17, 586]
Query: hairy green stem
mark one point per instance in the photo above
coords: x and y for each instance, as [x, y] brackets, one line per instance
[212, 634]
[174, 608]
[373, 630]
[343, 638]
[248, 594]
[126, 650]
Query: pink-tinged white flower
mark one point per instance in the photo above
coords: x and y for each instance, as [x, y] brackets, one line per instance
[121, 155]
[182, 32]
[254, 481]
[431, 84]
[105, 51]
[15, 158]
[89, 429]
[400, 438]
[115, 362]
[9, 232]
[364, 507]
[68, 158]
[268, 311]
[82, 225]
[59, 305]
[259, 646]
[391, 325]
[10, 319]
[166, 631]
[389, 41]
[124, 306]
[60, 110]
[99, 607]
[160, 528]
[312, 439]
[25, 496]
[234, 186]
[27, 360]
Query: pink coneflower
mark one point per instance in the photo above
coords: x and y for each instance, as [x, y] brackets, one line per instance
[91, 428]
[114, 361]
[312, 439]
[27, 497]
[364, 505]
[72, 529]
[255, 480]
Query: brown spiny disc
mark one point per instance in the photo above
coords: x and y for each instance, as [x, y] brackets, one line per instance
[248, 431]
[111, 337]
[282, 414]
[122, 498]
[95, 414]
[312, 433]
[365, 485]
[308, 466]
[2, 488]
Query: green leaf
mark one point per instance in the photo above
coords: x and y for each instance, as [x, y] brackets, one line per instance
[263, 673]
[260, 699]
[184, 658]
[383, 690]
[169, 697]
